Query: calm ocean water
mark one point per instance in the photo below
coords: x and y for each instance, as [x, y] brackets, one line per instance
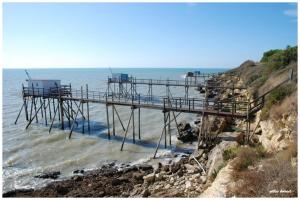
[30, 152]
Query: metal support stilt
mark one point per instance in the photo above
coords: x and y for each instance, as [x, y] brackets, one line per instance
[72, 127]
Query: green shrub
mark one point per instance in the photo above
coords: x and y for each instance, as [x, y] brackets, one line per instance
[268, 54]
[277, 59]
[230, 153]
[275, 97]
[245, 157]
[261, 151]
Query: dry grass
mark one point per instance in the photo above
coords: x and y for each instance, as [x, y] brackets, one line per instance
[288, 105]
[277, 178]
[245, 157]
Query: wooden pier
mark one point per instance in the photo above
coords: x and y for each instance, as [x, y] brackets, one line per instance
[66, 105]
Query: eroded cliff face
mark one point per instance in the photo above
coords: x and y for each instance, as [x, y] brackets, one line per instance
[275, 138]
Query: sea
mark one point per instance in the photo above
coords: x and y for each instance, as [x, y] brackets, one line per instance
[32, 151]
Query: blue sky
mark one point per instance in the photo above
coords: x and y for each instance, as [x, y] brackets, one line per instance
[143, 34]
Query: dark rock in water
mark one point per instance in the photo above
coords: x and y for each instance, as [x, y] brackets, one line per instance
[61, 189]
[78, 171]
[49, 175]
[184, 126]
[165, 168]
[13, 193]
[77, 178]
[174, 167]
[144, 167]
[118, 181]
[179, 172]
[130, 169]
[197, 121]
[138, 176]
[187, 133]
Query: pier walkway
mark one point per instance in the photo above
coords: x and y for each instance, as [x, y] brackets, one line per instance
[67, 104]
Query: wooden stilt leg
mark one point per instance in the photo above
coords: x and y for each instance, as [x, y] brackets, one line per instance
[19, 113]
[119, 118]
[133, 127]
[107, 119]
[72, 127]
[55, 111]
[169, 128]
[45, 110]
[26, 108]
[139, 123]
[35, 115]
[34, 103]
[126, 130]
[113, 119]
[49, 107]
[165, 124]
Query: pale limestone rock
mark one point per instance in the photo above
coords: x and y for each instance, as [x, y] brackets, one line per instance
[188, 184]
[220, 185]
[215, 158]
[149, 178]
[272, 138]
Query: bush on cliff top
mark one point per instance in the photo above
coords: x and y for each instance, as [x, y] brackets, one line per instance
[275, 97]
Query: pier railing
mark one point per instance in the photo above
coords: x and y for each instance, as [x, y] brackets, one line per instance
[170, 82]
[159, 102]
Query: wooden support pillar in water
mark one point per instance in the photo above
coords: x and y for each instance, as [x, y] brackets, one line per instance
[113, 119]
[26, 108]
[139, 116]
[133, 127]
[31, 108]
[165, 124]
[35, 111]
[68, 109]
[107, 119]
[72, 127]
[87, 108]
[55, 111]
[82, 111]
[49, 108]
[41, 109]
[35, 115]
[61, 113]
[58, 110]
[124, 138]
[45, 110]
[25, 102]
[169, 129]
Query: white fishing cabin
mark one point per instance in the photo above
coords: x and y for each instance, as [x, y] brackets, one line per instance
[119, 77]
[42, 86]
